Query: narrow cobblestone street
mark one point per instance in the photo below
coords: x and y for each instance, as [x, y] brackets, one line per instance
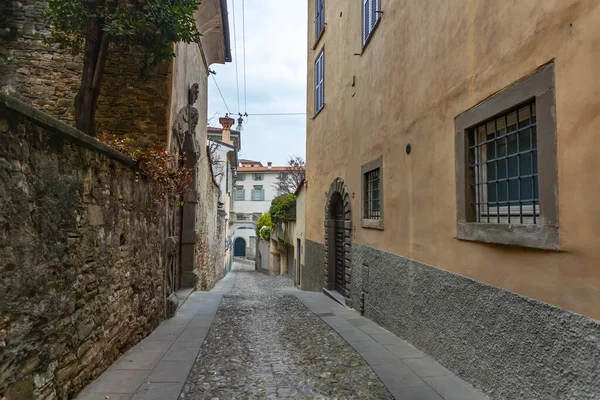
[259, 337]
[264, 343]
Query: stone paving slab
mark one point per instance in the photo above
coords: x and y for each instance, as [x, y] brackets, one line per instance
[157, 367]
[408, 373]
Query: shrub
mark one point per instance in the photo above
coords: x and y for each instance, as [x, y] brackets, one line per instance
[265, 232]
[281, 207]
[263, 221]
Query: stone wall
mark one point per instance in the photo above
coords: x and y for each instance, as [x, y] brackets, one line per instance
[211, 236]
[81, 256]
[262, 261]
[511, 347]
[48, 78]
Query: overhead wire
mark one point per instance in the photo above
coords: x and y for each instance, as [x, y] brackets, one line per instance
[278, 114]
[237, 80]
[244, 54]
[221, 93]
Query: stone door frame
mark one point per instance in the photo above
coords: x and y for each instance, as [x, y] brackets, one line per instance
[338, 186]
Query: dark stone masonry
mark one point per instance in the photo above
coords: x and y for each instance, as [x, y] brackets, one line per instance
[81, 256]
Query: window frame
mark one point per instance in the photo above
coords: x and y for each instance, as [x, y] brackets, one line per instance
[545, 234]
[243, 192]
[366, 37]
[320, 60]
[262, 176]
[255, 189]
[241, 177]
[369, 223]
[319, 17]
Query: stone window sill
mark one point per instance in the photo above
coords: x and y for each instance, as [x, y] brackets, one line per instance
[544, 237]
[372, 224]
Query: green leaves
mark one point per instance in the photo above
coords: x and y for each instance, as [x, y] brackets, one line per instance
[152, 24]
[281, 207]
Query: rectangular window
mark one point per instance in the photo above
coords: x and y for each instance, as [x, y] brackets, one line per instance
[372, 204]
[506, 172]
[503, 167]
[242, 217]
[241, 177]
[319, 18]
[258, 193]
[371, 14]
[240, 193]
[319, 82]
[372, 192]
[258, 177]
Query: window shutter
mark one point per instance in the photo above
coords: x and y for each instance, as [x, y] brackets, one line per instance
[366, 20]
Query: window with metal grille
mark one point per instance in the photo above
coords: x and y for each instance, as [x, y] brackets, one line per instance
[372, 195]
[370, 18]
[258, 193]
[258, 177]
[504, 171]
[319, 18]
[320, 82]
[241, 177]
[242, 217]
[240, 193]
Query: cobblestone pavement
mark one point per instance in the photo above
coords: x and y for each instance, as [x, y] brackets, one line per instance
[265, 344]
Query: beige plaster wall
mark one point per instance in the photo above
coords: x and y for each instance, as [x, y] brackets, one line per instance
[427, 62]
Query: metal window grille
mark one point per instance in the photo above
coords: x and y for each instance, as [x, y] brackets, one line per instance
[503, 167]
[319, 18]
[372, 195]
[241, 177]
[258, 177]
[319, 82]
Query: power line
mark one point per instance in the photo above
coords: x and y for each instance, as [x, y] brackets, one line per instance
[219, 89]
[244, 53]
[237, 80]
[278, 114]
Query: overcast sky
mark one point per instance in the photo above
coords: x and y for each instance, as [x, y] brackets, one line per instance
[275, 75]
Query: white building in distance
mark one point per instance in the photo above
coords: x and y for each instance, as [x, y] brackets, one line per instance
[254, 190]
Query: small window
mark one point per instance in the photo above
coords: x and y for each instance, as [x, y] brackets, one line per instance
[258, 193]
[241, 177]
[320, 82]
[242, 217]
[372, 191]
[240, 193]
[371, 9]
[258, 177]
[319, 18]
[505, 193]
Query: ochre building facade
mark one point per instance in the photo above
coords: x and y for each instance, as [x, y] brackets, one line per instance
[453, 193]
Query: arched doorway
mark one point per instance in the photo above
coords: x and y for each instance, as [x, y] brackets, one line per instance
[239, 247]
[338, 239]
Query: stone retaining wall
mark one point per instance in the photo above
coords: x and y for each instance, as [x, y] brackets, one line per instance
[81, 256]
[48, 78]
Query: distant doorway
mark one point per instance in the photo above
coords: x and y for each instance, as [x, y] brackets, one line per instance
[239, 247]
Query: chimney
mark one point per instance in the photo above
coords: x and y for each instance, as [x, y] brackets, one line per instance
[270, 165]
[226, 122]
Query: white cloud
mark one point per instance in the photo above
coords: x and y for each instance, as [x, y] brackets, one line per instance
[276, 78]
